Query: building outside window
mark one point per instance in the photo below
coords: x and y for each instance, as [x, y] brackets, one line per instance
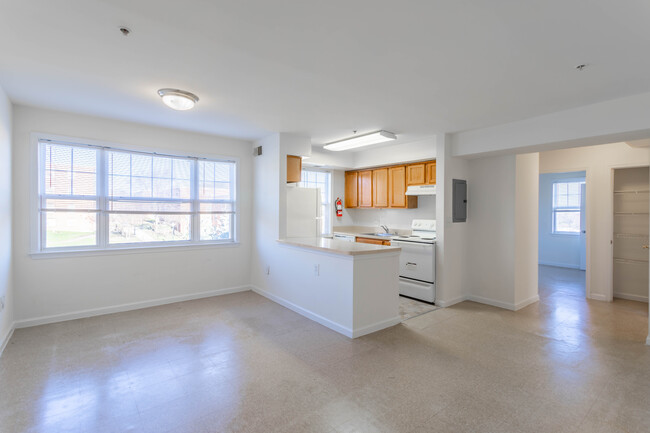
[321, 180]
[567, 197]
[95, 197]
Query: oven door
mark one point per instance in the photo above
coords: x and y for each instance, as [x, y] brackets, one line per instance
[417, 260]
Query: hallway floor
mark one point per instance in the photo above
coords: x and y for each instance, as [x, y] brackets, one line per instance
[241, 363]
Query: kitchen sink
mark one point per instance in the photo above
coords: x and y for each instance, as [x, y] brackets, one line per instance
[379, 234]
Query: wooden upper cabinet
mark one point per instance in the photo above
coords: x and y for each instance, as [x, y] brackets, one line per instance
[380, 187]
[365, 188]
[416, 174]
[294, 168]
[351, 187]
[431, 173]
[397, 197]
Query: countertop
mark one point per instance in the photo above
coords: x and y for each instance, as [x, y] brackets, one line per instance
[335, 246]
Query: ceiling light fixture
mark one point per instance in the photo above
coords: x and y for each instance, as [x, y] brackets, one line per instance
[178, 99]
[361, 140]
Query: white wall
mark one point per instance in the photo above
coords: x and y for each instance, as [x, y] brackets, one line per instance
[526, 228]
[55, 288]
[451, 246]
[598, 162]
[491, 240]
[500, 246]
[6, 287]
[556, 250]
[394, 218]
[419, 150]
[338, 190]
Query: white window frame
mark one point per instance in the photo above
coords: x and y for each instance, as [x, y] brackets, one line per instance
[37, 229]
[560, 209]
[329, 208]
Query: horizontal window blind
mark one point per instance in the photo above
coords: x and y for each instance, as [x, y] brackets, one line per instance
[97, 197]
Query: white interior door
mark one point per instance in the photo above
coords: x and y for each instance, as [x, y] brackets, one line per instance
[583, 230]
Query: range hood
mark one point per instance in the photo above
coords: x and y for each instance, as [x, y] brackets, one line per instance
[421, 190]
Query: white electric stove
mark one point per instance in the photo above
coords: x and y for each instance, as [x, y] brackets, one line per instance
[417, 261]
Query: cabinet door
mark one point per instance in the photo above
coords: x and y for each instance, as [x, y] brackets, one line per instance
[351, 186]
[380, 187]
[415, 174]
[370, 241]
[431, 173]
[294, 168]
[397, 186]
[365, 188]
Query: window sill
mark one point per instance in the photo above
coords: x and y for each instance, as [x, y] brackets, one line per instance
[130, 250]
[560, 234]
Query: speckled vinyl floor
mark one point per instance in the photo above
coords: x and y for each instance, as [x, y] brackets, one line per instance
[410, 308]
[241, 363]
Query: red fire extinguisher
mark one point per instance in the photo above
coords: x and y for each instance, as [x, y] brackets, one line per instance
[339, 207]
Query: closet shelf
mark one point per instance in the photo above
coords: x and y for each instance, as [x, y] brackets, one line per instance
[631, 261]
[632, 192]
[631, 235]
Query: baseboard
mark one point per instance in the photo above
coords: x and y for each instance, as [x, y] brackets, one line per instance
[559, 265]
[7, 337]
[526, 303]
[376, 327]
[125, 307]
[445, 304]
[492, 302]
[598, 297]
[630, 297]
[306, 313]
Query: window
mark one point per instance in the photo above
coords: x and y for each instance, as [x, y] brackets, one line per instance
[321, 180]
[567, 198]
[94, 197]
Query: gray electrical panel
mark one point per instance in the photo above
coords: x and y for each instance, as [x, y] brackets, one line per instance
[459, 201]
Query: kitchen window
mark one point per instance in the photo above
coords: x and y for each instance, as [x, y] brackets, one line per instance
[95, 198]
[321, 180]
[567, 197]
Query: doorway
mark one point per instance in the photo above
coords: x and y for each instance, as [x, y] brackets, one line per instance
[562, 232]
[630, 237]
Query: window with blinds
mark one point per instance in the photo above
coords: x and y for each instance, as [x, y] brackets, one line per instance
[98, 197]
[567, 197]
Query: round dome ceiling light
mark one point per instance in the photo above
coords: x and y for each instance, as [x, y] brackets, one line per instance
[178, 99]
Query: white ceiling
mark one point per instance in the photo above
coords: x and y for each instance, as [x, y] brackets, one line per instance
[324, 68]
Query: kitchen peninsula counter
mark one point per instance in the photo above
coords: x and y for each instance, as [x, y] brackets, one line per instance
[335, 246]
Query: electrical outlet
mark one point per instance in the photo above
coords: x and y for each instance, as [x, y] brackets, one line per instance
[316, 270]
[268, 270]
[2, 302]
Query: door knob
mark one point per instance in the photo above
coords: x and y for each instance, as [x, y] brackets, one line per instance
[645, 247]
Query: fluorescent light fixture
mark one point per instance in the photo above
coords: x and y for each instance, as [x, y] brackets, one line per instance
[178, 99]
[361, 140]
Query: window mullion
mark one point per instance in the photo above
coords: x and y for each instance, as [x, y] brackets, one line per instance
[194, 191]
[102, 216]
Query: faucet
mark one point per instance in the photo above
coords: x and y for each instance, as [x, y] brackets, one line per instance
[385, 228]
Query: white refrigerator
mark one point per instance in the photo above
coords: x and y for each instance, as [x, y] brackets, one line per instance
[303, 212]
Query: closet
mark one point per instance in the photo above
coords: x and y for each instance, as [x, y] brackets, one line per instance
[631, 205]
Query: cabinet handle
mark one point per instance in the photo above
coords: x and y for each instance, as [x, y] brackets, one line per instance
[645, 247]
